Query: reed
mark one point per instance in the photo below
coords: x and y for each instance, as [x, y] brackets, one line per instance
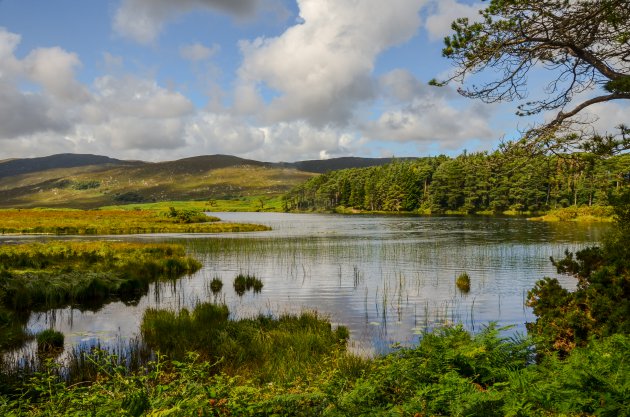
[49, 341]
[264, 347]
[243, 283]
[216, 285]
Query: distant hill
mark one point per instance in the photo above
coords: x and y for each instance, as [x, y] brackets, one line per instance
[87, 181]
[326, 165]
[12, 167]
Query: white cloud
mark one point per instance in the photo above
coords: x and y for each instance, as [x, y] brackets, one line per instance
[198, 52]
[142, 20]
[322, 67]
[53, 69]
[425, 115]
[442, 13]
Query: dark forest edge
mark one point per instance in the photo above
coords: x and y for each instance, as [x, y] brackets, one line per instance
[565, 187]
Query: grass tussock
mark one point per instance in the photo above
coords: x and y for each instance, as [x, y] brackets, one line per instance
[114, 222]
[449, 373]
[463, 282]
[263, 347]
[244, 283]
[54, 274]
[49, 340]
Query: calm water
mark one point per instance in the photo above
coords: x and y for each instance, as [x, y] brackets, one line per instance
[386, 278]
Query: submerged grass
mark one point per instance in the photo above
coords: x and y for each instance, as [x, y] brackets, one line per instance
[112, 222]
[54, 274]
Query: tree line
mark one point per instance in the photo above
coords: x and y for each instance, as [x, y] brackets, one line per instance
[470, 183]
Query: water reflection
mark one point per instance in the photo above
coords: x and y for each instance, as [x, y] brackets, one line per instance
[386, 278]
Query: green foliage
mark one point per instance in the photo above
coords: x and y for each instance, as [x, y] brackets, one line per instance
[583, 45]
[216, 285]
[243, 283]
[49, 340]
[471, 183]
[59, 273]
[270, 349]
[129, 197]
[600, 306]
[186, 216]
[449, 373]
[85, 185]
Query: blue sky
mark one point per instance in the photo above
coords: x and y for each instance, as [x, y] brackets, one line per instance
[273, 80]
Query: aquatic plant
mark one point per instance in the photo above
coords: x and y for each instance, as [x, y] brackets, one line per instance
[463, 282]
[54, 274]
[243, 283]
[49, 340]
[216, 285]
[266, 347]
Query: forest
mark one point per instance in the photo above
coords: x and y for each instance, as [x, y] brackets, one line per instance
[479, 182]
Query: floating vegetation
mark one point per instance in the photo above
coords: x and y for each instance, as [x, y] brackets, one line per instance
[463, 282]
[114, 222]
[243, 283]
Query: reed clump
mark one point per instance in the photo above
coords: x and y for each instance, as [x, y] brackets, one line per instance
[216, 285]
[463, 282]
[246, 282]
[49, 341]
[263, 347]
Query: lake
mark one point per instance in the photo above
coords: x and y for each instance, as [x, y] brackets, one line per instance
[387, 278]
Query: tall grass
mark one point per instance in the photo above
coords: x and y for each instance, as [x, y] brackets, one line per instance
[114, 222]
[450, 373]
[59, 273]
[270, 349]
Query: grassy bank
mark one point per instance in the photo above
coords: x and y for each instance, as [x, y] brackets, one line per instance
[578, 214]
[245, 204]
[449, 373]
[59, 273]
[99, 222]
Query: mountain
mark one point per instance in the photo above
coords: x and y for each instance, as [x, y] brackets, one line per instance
[13, 167]
[322, 166]
[89, 181]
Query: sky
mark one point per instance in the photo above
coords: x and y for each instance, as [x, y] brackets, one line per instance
[271, 80]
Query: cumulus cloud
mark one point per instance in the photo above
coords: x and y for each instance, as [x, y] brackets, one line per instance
[142, 20]
[198, 52]
[121, 113]
[423, 115]
[322, 67]
[441, 13]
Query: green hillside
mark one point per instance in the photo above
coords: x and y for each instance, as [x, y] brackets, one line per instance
[216, 177]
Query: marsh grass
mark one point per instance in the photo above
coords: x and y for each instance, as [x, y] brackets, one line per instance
[463, 282]
[449, 373]
[267, 348]
[49, 341]
[246, 282]
[216, 285]
[55, 274]
[114, 222]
